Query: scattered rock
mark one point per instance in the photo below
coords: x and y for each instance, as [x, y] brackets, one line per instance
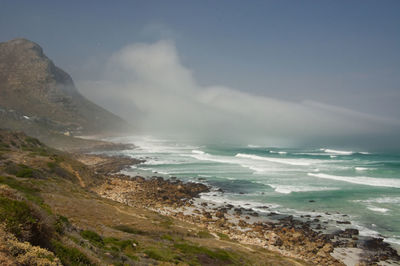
[343, 222]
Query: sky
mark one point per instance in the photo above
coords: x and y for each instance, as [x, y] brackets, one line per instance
[229, 67]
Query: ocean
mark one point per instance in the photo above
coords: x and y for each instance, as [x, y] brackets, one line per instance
[333, 185]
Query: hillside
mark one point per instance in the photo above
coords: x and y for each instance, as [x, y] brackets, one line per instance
[39, 98]
[50, 215]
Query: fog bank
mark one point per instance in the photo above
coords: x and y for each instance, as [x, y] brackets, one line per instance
[147, 84]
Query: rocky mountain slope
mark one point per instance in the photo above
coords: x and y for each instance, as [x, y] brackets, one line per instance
[38, 97]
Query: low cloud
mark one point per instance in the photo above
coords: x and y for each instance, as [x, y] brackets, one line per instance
[148, 85]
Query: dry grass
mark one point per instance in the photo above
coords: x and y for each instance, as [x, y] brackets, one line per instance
[159, 237]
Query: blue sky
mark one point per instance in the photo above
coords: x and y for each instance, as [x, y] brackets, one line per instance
[342, 53]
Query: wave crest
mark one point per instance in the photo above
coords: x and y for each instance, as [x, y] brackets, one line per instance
[275, 160]
[361, 180]
[338, 152]
[198, 152]
[287, 189]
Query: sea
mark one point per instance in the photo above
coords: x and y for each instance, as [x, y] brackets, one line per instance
[333, 184]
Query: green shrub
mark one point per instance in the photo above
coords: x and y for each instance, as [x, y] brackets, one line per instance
[132, 257]
[26, 221]
[11, 168]
[37, 151]
[28, 190]
[51, 165]
[19, 170]
[17, 217]
[93, 237]
[33, 141]
[24, 172]
[63, 219]
[161, 254]
[129, 230]
[57, 158]
[4, 147]
[223, 236]
[69, 255]
[118, 244]
[154, 254]
[167, 237]
[204, 234]
[60, 223]
[219, 254]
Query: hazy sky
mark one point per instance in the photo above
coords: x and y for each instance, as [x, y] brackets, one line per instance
[338, 55]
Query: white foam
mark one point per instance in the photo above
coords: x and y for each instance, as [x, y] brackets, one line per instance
[364, 169]
[321, 215]
[209, 157]
[337, 151]
[281, 189]
[287, 189]
[364, 231]
[205, 176]
[332, 156]
[377, 209]
[278, 152]
[161, 162]
[310, 153]
[387, 200]
[148, 145]
[362, 180]
[253, 146]
[298, 162]
[161, 172]
[256, 167]
[198, 152]
[243, 203]
[256, 170]
[393, 240]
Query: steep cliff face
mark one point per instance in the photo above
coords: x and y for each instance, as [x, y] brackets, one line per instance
[31, 86]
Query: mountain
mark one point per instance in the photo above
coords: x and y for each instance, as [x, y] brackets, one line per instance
[38, 97]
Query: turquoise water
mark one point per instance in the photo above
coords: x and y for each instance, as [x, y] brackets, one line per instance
[335, 184]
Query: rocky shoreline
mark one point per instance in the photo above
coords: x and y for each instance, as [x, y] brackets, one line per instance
[298, 238]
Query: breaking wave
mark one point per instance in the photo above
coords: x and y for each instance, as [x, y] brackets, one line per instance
[338, 152]
[198, 152]
[362, 180]
[298, 162]
[287, 189]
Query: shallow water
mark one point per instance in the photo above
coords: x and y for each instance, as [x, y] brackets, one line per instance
[331, 183]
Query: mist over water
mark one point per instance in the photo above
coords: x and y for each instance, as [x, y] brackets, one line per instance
[147, 84]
